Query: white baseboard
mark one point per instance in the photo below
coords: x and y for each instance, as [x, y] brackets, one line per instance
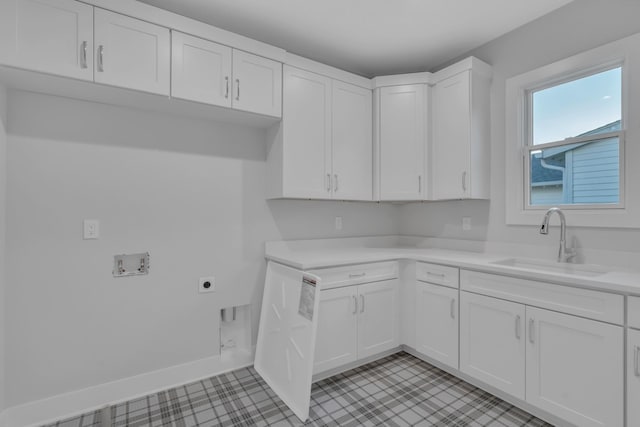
[89, 399]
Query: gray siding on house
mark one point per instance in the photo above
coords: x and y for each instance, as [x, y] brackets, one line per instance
[595, 172]
[546, 195]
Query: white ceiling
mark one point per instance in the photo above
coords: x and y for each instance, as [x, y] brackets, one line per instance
[368, 37]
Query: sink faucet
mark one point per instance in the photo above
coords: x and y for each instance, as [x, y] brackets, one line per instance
[564, 253]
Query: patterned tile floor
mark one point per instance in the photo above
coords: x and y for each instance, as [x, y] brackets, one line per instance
[399, 390]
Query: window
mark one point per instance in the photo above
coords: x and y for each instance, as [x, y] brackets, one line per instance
[573, 149]
[572, 139]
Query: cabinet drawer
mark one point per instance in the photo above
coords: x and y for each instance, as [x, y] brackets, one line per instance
[581, 302]
[438, 274]
[633, 312]
[336, 277]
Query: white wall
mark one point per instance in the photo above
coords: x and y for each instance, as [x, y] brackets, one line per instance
[191, 193]
[579, 26]
[3, 193]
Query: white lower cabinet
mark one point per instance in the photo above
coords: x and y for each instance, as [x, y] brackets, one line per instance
[633, 377]
[355, 322]
[492, 342]
[566, 365]
[575, 368]
[336, 343]
[377, 317]
[437, 322]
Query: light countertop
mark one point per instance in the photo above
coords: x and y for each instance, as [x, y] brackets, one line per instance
[324, 253]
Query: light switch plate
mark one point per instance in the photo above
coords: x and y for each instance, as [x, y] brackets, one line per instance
[91, 229]
[466, 223]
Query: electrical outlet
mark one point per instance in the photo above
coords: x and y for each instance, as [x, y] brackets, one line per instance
[207, 284]
[466, 223]
[338, 223]
[91, 229]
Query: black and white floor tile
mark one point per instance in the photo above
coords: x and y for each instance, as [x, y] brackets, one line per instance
[399, 390]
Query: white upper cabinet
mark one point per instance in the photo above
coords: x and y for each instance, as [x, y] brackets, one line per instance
[352, 143]
[200, 70]
[211, 73]
[131, 53]
[51, 36]
[460, 144]
[401, 142]
[323, 148]
[257, 84]
[306, 136]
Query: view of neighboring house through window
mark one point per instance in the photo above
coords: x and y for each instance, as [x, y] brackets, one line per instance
[574, 142]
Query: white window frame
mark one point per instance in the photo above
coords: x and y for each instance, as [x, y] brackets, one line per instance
[626, 213]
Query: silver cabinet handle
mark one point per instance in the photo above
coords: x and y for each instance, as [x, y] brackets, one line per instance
[83, 54]
[237, 89]
[355, 304]
[636, 367]
[362, 302]
[226, 93]
[518, 327]
[335, 188]
[329, 182]
[453, 308]
[532, 330]
[429, 273]
[464, 181]
[101, 58]
[354, 275]
[419, 183]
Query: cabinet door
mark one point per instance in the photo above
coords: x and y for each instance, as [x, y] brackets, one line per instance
[200, 70]
[336, 341]
[492, 342]
[257, 84]
[306, 135]
[352, 144]
[402, 130]
[52, 36]
[437, 322]
[378, 320]
[131, 53]
[633, 377]
[451, 137]
[575, 368]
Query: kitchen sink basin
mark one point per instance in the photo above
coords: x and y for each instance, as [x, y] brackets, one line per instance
[543, 266]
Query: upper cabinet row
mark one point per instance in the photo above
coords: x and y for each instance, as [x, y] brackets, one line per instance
[410, 138]
[72, 39]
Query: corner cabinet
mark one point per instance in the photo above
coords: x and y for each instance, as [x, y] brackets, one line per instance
[52, 36]
[322, 149]
[461, 143]
[401, 141]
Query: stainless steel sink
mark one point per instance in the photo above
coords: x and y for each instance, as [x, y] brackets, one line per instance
[584, 270]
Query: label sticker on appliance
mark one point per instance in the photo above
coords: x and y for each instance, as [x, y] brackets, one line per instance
[307, 298]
